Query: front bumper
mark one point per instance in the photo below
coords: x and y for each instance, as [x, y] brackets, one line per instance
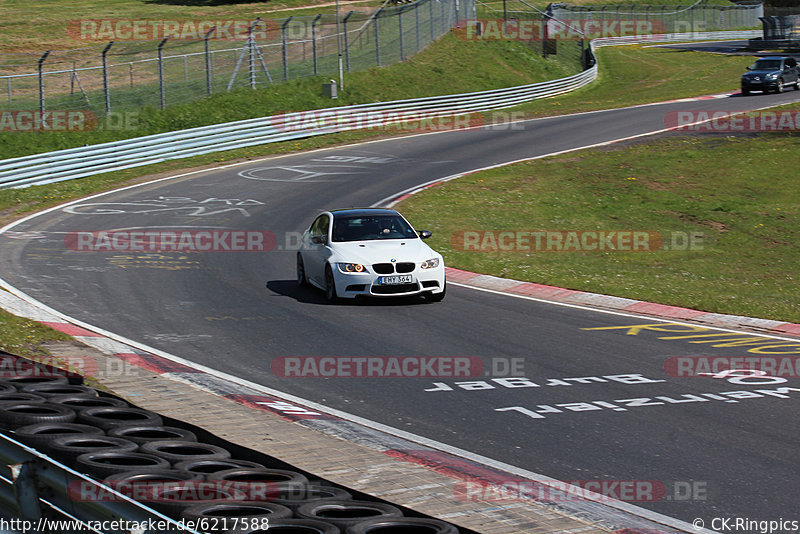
[367, 284]
[759, 85]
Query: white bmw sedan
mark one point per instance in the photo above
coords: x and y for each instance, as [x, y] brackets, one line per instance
[369, 252]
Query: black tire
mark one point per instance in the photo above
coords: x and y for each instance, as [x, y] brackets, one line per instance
[19, 397]
[144, 486]
[105, 464]
[215, 514]
[797, 85]
[53, 390]
[344, 514]
[68, 448]
[295, 498]
[330, 285]
[178, 451]
[21, 381]
[82, 402]
[145, 434]
[208, 467]
[745, 92]
[406, 525]
[437, 297]
[173, 498]
[302, 280]
[112, 417]
[261, 484]
[290, 526]
[16, 415]
[39, 434]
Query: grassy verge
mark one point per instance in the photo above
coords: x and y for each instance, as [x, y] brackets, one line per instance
[732, 191]
[24, 337]
[638, 74]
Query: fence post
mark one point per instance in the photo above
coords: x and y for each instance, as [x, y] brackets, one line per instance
[41, 82]
[416, 24]
[377, 38]
[314, 41]
[105, 78]
[284, 53]
[208, 60]
[346, 42]
[431, 16]
[161, 87]
[400, 27]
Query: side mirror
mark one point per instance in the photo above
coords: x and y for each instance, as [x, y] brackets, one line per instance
[749, 68]
[425, 234]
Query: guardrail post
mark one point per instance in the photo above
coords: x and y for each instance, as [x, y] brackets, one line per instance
[105, 78]
[346, 42]
[314, 41]
[26, 491]
[41, 82]
[284, 52]
[209, 66]
[161, 88]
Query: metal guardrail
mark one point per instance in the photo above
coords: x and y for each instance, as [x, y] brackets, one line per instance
[41, 493]
[50, 167]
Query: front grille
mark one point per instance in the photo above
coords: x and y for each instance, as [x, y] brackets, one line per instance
[405, 267]
[383, 268]
[392, 290]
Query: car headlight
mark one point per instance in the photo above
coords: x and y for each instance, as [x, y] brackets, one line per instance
[771, 76]
[430, 264]
[351, 268]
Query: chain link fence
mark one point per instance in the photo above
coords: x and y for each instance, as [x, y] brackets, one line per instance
[128, 74]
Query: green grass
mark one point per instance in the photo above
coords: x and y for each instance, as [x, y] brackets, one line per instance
[24, 337]
[635, 74]
[52, 17]
[735, 191]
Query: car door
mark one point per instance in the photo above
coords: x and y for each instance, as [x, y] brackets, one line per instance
[316, 249]
[792, 70]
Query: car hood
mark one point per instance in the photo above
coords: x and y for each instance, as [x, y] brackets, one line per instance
[383, 251]
[761, 73]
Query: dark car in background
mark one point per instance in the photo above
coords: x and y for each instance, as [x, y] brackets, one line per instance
[771, 73]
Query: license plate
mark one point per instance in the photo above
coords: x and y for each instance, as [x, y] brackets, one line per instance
[393, 280]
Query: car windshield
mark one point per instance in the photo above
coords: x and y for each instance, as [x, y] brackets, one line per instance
[767, 64]
[371, 227]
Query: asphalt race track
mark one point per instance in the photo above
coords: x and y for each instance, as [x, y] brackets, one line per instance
[714, 453]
